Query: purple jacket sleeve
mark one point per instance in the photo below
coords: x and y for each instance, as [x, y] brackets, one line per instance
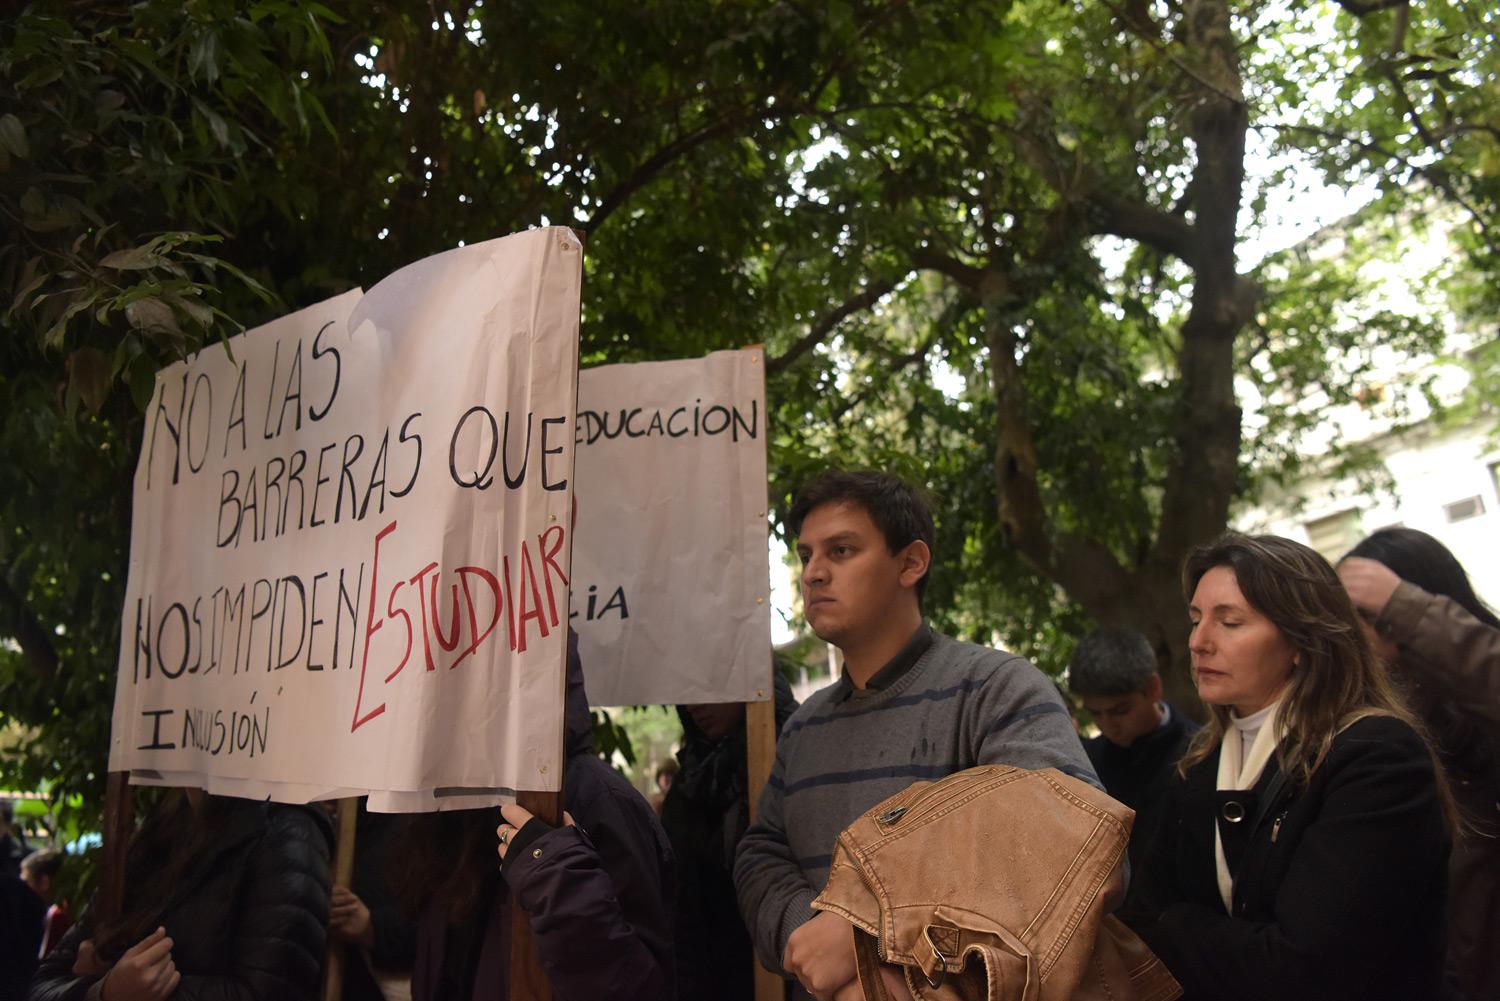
[597, 908]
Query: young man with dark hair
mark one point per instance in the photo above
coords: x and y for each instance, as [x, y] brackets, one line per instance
[1113, 672]
[911, 705]
[40, 870]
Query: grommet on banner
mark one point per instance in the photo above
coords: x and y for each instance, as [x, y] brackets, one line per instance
[760, 601]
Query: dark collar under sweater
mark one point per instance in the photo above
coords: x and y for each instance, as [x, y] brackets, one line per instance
[894, 669]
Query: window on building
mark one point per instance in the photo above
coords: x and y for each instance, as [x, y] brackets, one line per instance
[1336, 534]
[1462, 510]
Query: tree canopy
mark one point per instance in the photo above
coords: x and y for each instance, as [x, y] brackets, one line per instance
[1004, 249]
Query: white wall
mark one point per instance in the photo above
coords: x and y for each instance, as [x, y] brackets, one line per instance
[1430, 469]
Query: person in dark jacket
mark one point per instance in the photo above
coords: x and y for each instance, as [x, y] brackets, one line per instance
[598, 890]
[1141, 739]
[224, 898]
[13, 846]
[1302, 853]
[705, 814]
[23, 917]
[378, 932]
[1443, 645]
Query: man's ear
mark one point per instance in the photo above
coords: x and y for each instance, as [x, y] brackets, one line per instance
[915, 560]
[1153, 687]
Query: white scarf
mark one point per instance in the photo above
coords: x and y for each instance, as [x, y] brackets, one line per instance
[1238, 770]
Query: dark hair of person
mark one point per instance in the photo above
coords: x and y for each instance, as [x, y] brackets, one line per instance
[668, 768]
[1420, 559]
[897, 508]
[43, 862]
[448, 857]
[170, 840]
[1467, 744]
[1111, 662]
[1337, 679]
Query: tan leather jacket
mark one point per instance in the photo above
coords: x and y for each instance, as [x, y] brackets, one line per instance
[994, 884]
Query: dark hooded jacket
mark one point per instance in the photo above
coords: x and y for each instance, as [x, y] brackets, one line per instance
[247, 913]
[705, 814]
[599, 894]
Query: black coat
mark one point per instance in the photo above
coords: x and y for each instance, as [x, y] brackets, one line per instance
[23, 916]
[1339, 887]
[705, 814]
[248, 919]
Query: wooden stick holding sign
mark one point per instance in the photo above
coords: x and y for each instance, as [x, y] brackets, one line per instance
[118, 824]
[343, 874]
[760, 739]
[527, 980]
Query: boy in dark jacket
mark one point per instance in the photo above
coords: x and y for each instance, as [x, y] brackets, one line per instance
[1113, 672]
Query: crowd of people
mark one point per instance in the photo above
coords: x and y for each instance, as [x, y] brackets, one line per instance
[1331, 831]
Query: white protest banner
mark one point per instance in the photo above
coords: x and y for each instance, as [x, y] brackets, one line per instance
[671, 595]
[349, 551]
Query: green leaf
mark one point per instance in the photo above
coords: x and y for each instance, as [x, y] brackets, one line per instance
[216, 123]
[13, 136]
[200, 313]
[203, 57]
[28, 287]
[108, 102]
[39, 77]
[135, 259]
[152, 314]
[89, 376]
[142, 379]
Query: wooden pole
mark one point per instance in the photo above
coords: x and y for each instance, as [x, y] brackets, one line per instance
[343, 873]
[527, 980]
[760, 738]
[118, 824]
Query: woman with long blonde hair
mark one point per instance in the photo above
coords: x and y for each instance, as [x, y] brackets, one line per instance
[1303, 849]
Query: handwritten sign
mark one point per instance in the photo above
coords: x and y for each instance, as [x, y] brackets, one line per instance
[671, 595]
[349, 562]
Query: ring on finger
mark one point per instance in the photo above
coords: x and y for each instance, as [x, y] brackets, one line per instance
[504, 837]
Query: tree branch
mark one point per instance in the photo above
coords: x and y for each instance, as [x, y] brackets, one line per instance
[825, 326]
[1359, 8]
[1204, 466]
[965, 275]
[1168, 233]
[898, 364]
[653, 165]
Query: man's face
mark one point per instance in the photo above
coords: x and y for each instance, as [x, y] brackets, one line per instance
[717, 719]
[1123, 719]
[851, 581]
[40, 885]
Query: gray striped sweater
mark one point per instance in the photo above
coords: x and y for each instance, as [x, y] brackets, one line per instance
[846, 749]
